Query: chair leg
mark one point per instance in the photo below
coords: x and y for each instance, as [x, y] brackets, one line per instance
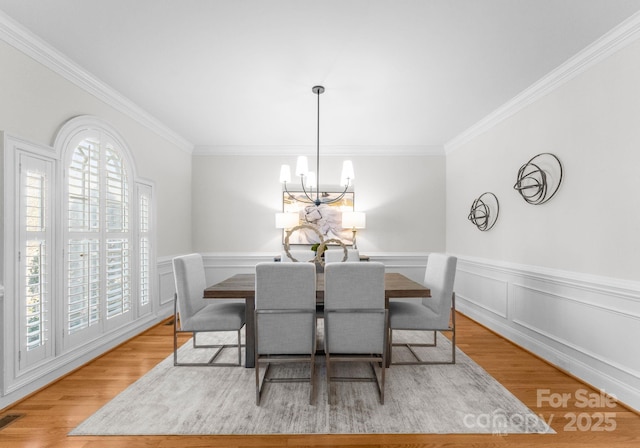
[453, 325]
[210, 362]
[312, 377]
[382, 375]
[380, 383]
[175, 347]
[175, 329]
[220, 347]
[259, 385]
[239, 348]
[452, 329]
[420, 361]
[328, 363]
[257, 368]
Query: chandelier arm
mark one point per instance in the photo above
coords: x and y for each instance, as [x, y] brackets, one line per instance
[304, 190]
[292, 197]
[309, 200]
[331, 201]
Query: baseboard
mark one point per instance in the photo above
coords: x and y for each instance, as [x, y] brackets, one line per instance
[63, 365]
[576, 322]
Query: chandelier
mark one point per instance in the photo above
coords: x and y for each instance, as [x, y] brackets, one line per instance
[309, 178]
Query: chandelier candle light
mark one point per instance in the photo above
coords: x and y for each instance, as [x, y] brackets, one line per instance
[307, 179]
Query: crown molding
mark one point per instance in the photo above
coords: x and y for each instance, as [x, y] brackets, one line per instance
[28, 43]
[616, 39]
[274, 150]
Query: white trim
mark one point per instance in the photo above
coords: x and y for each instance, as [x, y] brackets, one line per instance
[580, 298]
[626, 289]
[68, 362]
[75, 126]
[16, 381]
[273, 150]
[619, 37]
[534, 328]
[28, 43]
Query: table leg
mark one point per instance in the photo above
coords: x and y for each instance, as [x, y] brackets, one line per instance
[249, 318]
[389, 342]
[389, 347]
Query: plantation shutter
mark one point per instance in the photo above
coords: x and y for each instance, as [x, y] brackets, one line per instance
[35, 203]
[144, 247]
[98, 259]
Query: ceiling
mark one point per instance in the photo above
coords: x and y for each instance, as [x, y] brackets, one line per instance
[397, 73]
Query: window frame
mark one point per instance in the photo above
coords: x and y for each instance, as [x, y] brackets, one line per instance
[106, 141]
[61, 355]
[100, 232]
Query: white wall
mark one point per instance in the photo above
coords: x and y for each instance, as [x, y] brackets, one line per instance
[235, 199]
[591, 226]
[562, 278]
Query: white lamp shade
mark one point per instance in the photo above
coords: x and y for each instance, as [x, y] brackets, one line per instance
[287, 220]
[285, 174]
[302, 166]
[348, 174]
[354, 220]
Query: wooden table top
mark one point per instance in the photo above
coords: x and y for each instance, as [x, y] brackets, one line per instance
[242, 286]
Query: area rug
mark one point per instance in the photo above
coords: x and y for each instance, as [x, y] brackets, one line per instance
[443, 399]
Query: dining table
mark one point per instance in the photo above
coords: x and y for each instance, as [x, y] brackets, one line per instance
[243, 286]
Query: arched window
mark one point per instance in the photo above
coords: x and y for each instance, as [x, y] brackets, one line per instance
[84, 247]
[101, 245]
[98, 257]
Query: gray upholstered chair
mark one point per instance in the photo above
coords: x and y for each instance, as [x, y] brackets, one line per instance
[197, 314]
[285, 320]
[336, 255]
[298, 254]
[433, 314]
[355, 319]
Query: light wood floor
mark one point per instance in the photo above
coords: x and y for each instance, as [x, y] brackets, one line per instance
[51, 413]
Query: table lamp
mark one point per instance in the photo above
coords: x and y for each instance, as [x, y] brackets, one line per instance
[354, 220]
[287, 220]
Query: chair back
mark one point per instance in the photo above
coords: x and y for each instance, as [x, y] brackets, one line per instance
[301, 255]
[336, 255]
[439, 278]
[285, 304]
[190, 281]
[355, 315]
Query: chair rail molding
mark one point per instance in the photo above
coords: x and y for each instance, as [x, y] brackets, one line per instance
[574, 321]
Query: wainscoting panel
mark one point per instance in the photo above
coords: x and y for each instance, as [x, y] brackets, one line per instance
[584, 327]
[166, 283]
[488, 293]
[583, 324]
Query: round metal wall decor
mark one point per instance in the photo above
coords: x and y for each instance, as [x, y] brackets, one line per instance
[539, 179]
[484, 211]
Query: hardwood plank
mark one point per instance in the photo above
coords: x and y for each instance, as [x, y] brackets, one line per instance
[57, 409]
